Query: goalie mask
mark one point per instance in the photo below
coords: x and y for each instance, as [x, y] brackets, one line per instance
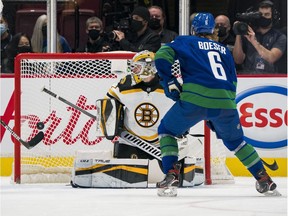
[143, 64]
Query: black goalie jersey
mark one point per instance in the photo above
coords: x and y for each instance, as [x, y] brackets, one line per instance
[145, 104]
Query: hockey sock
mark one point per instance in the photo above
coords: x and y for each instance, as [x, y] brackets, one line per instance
[167, 163]
[169, 152]
[249, 158]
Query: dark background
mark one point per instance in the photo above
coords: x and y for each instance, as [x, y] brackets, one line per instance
[21, 15]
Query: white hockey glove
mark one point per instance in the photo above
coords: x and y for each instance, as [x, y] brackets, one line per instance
[172, 88]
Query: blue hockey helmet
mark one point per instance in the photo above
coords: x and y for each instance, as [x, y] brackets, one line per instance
[203, 23]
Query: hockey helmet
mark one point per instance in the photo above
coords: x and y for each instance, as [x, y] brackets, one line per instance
[203, 23]
[143, 64]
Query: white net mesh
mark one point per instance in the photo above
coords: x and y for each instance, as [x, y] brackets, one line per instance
[80, 79]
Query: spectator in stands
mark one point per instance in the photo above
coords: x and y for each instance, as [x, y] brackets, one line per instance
[224, 33]
[140, 37]
[97, 41]
[282, 63]
[6, 37]
[157, 24]
[39, 38]
[263, 46]
[20, 43]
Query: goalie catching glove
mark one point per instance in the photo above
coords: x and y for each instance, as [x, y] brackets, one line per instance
[172, 88]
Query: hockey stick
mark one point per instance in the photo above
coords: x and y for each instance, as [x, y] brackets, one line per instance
[68, 102]
[84, 111]
[130, 138]
[30, 144]
[141, 144]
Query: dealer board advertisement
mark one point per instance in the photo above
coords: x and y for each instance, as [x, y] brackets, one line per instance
[262, 106]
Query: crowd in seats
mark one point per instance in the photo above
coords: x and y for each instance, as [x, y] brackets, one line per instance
[6, 38]
[39, 38]
[72, 38]
[20, 43]
[96, 41]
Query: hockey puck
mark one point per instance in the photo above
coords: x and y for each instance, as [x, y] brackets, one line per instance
[40, 125]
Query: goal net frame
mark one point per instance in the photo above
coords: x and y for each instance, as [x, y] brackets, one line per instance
[50, 57]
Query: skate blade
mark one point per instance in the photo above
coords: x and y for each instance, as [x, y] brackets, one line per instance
[167, 192]
[272, 193]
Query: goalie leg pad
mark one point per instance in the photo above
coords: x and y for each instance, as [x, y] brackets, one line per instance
[192, 173]
[110, 173]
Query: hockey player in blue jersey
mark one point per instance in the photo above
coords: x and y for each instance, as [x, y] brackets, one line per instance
[208, 93]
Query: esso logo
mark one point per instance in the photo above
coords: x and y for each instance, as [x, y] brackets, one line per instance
[263, 115]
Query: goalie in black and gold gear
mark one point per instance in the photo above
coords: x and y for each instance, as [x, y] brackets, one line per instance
[144, 104]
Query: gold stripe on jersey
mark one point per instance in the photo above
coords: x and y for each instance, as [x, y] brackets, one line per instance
[130, 91]
[151, 139]
[160, 90]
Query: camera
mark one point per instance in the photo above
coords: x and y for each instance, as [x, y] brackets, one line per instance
[122, 25]
[247, 18]
[119, 18]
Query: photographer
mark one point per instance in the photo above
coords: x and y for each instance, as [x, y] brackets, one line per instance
[97, 41]
[262, 46]
[140, 37]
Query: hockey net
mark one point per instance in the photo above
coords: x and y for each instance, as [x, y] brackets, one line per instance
[81, 79]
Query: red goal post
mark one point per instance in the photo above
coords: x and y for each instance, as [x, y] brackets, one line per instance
[81, 78]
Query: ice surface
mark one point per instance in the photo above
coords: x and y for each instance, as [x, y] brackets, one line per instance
[236, 199]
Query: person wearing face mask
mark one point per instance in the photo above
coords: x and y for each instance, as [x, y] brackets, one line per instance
[20, 43]
[259, 50]
[224, 34]
[140, 37]
[39, 38]
[6, 37]
[157, 22]
[97, 41]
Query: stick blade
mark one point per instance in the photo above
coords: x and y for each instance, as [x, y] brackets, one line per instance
[35, 140]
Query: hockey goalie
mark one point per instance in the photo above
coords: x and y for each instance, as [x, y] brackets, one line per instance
[131, 112]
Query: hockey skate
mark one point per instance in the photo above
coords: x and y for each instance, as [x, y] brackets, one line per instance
[265, 185]
[168, 187]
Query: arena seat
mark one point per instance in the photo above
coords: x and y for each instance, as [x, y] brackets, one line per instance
[67, 25]
[26, 19]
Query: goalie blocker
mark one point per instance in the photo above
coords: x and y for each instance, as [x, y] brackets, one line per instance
[110, 117]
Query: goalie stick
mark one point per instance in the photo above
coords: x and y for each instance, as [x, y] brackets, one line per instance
[67, 102]
[86, 112]
[132, 139]
[137, 141]
[30, 144]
